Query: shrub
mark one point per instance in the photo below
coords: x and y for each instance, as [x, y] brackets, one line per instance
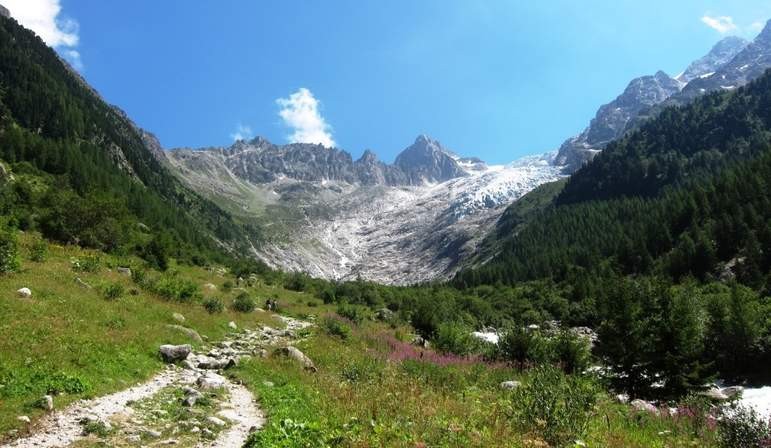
[214, 305]
[455, 338]
[227, 285]
[355, 314]
[741, 427]
[520, 345]
[139, 276]
[91, 263]
[173, 287]
[113, 291]
[244, 303]
[570, 351]
[9, 252]
[335, 327]
[39, 251]
[553, 405]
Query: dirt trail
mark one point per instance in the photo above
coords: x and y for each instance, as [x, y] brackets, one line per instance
[63, 427]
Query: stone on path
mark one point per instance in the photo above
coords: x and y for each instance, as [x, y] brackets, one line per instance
[174, 353]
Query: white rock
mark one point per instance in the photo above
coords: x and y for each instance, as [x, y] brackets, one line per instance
[510, 384]
[48, 402]
[24, 292]
[23, 418]
[178, 317]
[644, 406]
[210, 381]
[232, 325]
[215, 421]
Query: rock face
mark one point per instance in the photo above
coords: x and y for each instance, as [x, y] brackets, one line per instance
[751, 62]
[259, 161]
[324, 214]
[615, 118]
[426, 161]
[721, 53]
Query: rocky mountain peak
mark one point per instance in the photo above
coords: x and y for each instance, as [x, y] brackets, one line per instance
[368, 157]
[765, 35]
[426, 160]
[720, 54]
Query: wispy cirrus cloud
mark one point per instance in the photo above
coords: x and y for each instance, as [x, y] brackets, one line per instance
[242, 132]
[44, 17]
[721, 24]
[300, 112]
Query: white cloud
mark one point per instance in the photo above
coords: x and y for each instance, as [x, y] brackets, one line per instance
[721, 24]
[45, 19]
[757, 27]
[242, 132]
[300, 112]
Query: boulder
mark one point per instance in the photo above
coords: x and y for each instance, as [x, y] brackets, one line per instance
[732, 391]
[296, 355]
[174, 353]
[210, 287]
[384, 314]
[644, 406]
[210, 381]
[232, 325]
[47, 403]
[24, 292]
[23, 419]
[510, 384]
[124, 271]
[189, 332]
[215, 421]
[178, 317]
[714, 393]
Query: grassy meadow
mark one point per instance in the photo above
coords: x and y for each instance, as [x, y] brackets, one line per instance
[372, 388]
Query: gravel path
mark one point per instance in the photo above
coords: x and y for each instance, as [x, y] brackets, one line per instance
[63, 427]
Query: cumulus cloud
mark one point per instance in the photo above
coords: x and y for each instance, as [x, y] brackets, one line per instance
[300, 112]
[242, 132]
[45, 19]
[721, 24]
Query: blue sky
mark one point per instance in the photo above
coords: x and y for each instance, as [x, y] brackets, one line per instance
[494, 79]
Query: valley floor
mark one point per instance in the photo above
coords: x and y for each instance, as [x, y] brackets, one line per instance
[370, 385]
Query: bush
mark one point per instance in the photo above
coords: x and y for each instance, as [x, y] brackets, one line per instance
[355, 314]
[214, 305]
[555, 406]
[91, 263]
[9, 252]
[113, 291]
[227, 285]
[335, 327]
[455, 338]
[570, 351]
[39, 251]
[741, 427]
[172, 287]
[244, 303]
[520, 346]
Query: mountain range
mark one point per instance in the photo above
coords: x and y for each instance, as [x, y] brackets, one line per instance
[423, 217]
